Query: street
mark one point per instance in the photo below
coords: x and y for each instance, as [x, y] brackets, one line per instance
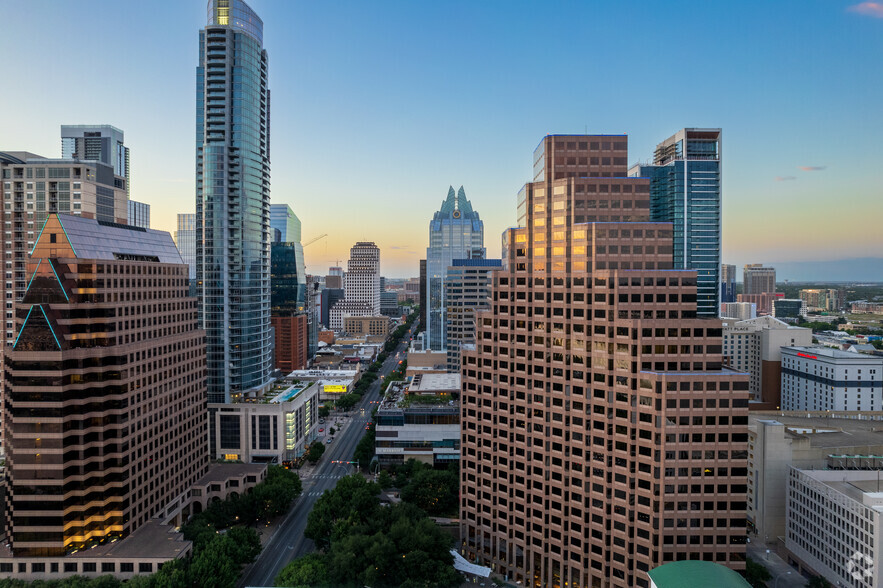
[289, 542]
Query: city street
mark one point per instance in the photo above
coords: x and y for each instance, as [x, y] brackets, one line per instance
[288, 542]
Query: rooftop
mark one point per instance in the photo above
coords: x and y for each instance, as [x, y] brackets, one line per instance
[824, 432]
[696, 574]
[92, 239]
[221, 472]
[431, 383]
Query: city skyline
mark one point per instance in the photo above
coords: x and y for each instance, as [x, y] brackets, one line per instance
[795, 104]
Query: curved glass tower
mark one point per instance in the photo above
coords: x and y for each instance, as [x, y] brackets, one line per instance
[233, 200]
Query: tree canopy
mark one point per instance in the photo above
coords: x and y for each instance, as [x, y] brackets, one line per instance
[366, 544]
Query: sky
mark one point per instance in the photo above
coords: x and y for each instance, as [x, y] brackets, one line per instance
[377, 107]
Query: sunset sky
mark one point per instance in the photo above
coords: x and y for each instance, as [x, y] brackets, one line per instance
[377, 107]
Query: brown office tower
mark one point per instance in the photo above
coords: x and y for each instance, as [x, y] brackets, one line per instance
[601, 436]
[105, 400]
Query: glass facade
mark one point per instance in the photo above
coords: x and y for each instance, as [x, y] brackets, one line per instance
[233, 200]
[455, 232]
[685, 190]
[288, 284]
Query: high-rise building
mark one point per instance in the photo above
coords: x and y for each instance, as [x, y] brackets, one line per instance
[105, 388]
[455, 232]
[35, 187]
[185, 240]
[742, 311]
[329, 297]
[757, 279]
[102, 143]
[467, 291]
[685, 190]
[361, 285]
[422, 293]
[601, 435]
[139, 214]
[233, 200]
[728, 283]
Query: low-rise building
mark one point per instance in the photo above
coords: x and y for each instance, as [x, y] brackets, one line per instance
[274, 427]
[793, 308]
[426, 362]
[822, 378]
[834, 525]
[420, 421]
[359, 326]
[332, 383]
[779, 440]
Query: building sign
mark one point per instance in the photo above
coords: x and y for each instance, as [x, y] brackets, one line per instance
[806, 355]
[334, 389]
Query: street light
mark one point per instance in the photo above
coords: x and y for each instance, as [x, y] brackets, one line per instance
[776, 585]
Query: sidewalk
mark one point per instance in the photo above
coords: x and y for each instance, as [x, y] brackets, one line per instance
[778, 568]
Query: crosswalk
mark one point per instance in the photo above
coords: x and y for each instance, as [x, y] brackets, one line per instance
[336, 476]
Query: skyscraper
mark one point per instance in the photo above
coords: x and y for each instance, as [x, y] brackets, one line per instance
[601, 436]
[233, 200]
[467, 291]
[757, 279]
[685, 190]
[455, 232]
[361, 285]
[728, 283]
[104, 413]
[102, 143]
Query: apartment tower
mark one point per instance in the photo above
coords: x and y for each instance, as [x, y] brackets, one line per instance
[455, 232]
[103, 143]
[105, 410]
[685, 190]
[233, 200]
[601, 436]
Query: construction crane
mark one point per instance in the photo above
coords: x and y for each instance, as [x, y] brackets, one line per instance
[311, 241]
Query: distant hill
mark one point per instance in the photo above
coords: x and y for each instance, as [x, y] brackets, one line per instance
[857, 269]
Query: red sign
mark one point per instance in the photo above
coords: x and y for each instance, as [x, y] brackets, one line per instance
[808, 356]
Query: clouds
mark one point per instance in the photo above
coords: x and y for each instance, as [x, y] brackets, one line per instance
[806, 168]
[872, 9]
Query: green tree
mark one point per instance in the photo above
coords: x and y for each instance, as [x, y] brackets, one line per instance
[247, 541]
[216, 565]
[352, 502]
[756, 574]
[306, 571]
[435, 491]
[384, 480]
[364, 452]
[324, 411]
[317, 448]
[172, 574]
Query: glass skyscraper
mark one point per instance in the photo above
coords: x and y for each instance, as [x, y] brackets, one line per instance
[455, 232]
[233, 200]
[685, 190]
